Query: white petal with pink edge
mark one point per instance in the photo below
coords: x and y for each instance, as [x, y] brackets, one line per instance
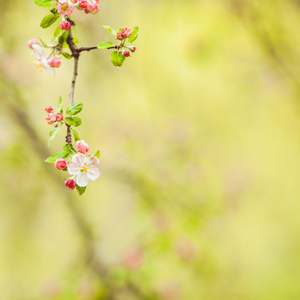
[79, 159]
[92, 161]
[73, 169]
[82, 179]
[93, 173]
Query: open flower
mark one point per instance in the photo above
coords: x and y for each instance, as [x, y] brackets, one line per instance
[65, 7]
[84, 168]
[42, 62]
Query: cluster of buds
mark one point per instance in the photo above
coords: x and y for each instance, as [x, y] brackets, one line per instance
[82, 167]
[53, 118]
[47, 62]
[122, 36]
[66, 7]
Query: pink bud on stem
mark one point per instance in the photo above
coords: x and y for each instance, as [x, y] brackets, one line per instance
[70, 183]
[82, 146]
[60, 163]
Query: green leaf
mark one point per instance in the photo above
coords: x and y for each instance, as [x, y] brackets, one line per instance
[69, 148]
[49, 20]
[134, 35]
[44, 3]
[76, 135]
[120, 29]
[97, 154]
[75, 40]
[74, 109]
[67, 55]
[60, 105]
[80, 189]
[73, 121]
[57, 33]
[54, 11]
[53, 133]
[111, 30]
[117, 58]
[62, 39]
[105, 45]
[54, 157]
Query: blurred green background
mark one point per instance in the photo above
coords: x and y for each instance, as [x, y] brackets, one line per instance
[199, 139]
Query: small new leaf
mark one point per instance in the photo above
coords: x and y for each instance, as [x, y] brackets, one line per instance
[73, 121]
[134, 35]
[74, 109]
[117, 58]
[105, 45]
[80, 189]
[67, 55]
[54, 157]
[60, 105]
[53, 133]
[76, 135]
[69, 148]
[44, 3]
[111, 30]
[97, 154]
[49, 20]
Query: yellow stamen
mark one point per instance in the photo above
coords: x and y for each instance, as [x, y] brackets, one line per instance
[84, 168]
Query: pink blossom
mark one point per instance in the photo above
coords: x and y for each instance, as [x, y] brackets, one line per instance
[65, 25]
[51, 118]
[42, 62]
[126, 53]
[119, 36]
[32, 42]
[70, 183]
[133, 258]
[49, 109]
[92, 7]
[60, 163]
[83, 4]
[126, 32]
[82, 146]
[59, 117]
[54, 62]
[84, 168]
[65, 7]
[131, 48]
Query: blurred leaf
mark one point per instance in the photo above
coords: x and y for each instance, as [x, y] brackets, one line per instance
[117, 58]
[74, 109]
[105, 45]
[76, 135]
[111, 30]
[69, 148]
[67, 55]
[97, 154]
[49, 20]
[54, 157]
[80, 189]
[44, 3]
[134, 35]
[59, 105]
[73, 121]
[53, 133]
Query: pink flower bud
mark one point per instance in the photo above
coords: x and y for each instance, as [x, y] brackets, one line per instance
[60, 163]
[83, 4]
[126, 53]
[82, 146]
[51, 118]
[119, 36]
[133, 258]
[32, 42]
[65, 25]
[131, 48]
[59, 117]
[49, 109]
[93, 7]
[70, 183]
[54, 62]
[126, 32]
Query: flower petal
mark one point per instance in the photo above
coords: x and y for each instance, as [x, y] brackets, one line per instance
[73, 169]
[92, 161]
[79, 159]
[82, 179]
[93, 173]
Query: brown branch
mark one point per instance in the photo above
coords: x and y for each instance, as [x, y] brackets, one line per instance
[96, 47]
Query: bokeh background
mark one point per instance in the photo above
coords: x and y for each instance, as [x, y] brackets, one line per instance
[199, 136]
